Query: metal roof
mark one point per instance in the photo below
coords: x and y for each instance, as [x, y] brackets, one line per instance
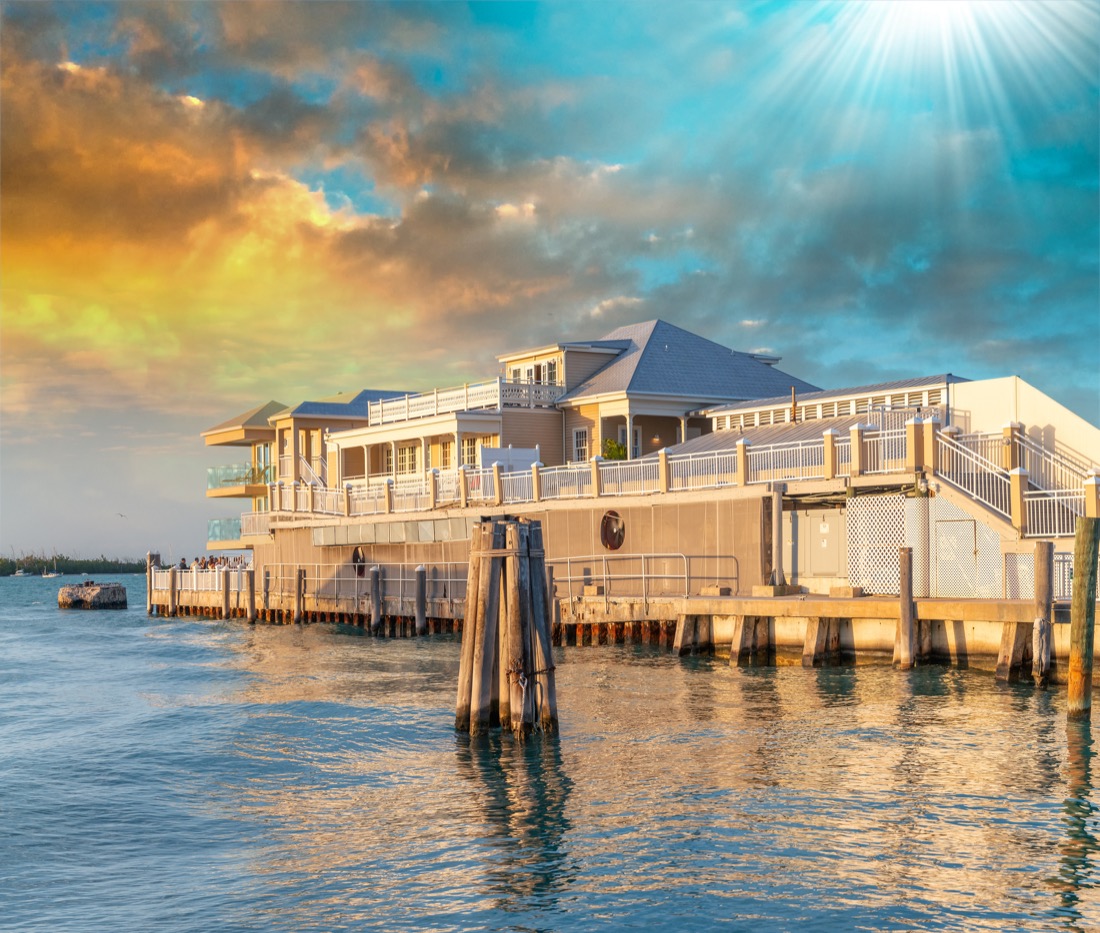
[356, 406]
[876, 388]
[659, 358]
[253, 418]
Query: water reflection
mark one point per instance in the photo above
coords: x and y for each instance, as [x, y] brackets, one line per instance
[1075, 877]
[521, 791]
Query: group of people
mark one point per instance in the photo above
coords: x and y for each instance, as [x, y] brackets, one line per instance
[239, 562]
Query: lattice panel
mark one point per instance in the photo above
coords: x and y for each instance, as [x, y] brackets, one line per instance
[876, 529]
[1020, 576]
[965, 554]
[953, 555]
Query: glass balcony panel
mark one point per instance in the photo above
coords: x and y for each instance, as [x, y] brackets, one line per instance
[238, 474]
[224, 529]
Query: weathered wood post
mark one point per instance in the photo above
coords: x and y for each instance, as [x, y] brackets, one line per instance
[485, 676]
[506, 672]
[173, 592]
[421, 600]
[469, 627]
[250, 583]
[375, 601]
[1042, 629]
[225, 592]
[1082, 618]
[299, 593]
[903, 638]
[542, 599]
[267, 592]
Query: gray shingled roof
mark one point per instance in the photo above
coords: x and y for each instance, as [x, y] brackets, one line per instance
[662, 359]
[355, 407]
[253, 418]
[768, 434]
[876, 388]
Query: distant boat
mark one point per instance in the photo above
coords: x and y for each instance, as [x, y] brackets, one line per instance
[47, 574]
[21, 573]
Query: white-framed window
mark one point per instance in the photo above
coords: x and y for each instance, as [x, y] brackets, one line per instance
[580, 443]
[551, 374]
[637, 449]
[469, 451]
[516, 374]
[387, 459]
[446, 455]
[406, 458]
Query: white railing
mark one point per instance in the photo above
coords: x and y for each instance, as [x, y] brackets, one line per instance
[1052, 513]
[843, 447]
[493, 395]
[702, 471]
[566, 482]
[368, 500]
[304, 499]
[1051, 470]
[194, 580]
[286, 468]
[351, 582]
[329, 501]
[884, 451]
[793, 460]
[987, 444]
[975, 475]
[315, 471]
[518, 487]
[448, 487]
[255, 523]
[480, 485]
[623, 574]
[630, 477]
[412, 495]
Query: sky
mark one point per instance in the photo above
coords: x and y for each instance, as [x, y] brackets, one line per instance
[206, 206]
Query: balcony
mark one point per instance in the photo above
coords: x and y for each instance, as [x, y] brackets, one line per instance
[223, 534]
[237, 480]
[493, 395]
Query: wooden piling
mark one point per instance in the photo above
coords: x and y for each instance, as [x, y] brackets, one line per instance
[515, 651]
[1082, 618]
[173, 593]
[485, 651]
[903, 638]
[250, 587]
[299, 594]
[376, 601]
[506, 673]
[149, 583]
[225, 592]
[421, 600]
[1043, 629]
[542, 617]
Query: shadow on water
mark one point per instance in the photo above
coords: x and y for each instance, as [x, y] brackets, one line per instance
[522, 791]
[1075, 876]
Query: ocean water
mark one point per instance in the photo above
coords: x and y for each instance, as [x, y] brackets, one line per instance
[191, 775]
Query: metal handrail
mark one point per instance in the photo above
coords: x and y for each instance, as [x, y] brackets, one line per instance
[975, 475]
[606, 577]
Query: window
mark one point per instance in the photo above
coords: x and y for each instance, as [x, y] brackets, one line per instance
[516, 374]
[580, 443]
[387, 459]
[445, 455]
[406, 458]
[469, 451]
[552, 372]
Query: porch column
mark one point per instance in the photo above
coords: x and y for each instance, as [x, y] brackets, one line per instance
[458, 450]
[829, 436]
[629, 435]
[393, 459]
[1017, 504]
[683, 429]
[426, 455]
[914, 446]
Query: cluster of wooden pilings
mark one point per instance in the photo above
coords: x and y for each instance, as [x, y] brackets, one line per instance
[506, 675]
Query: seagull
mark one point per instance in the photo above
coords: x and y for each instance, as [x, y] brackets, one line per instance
[120, 515]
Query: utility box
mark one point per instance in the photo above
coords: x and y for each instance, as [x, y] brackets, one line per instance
[815, 548]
